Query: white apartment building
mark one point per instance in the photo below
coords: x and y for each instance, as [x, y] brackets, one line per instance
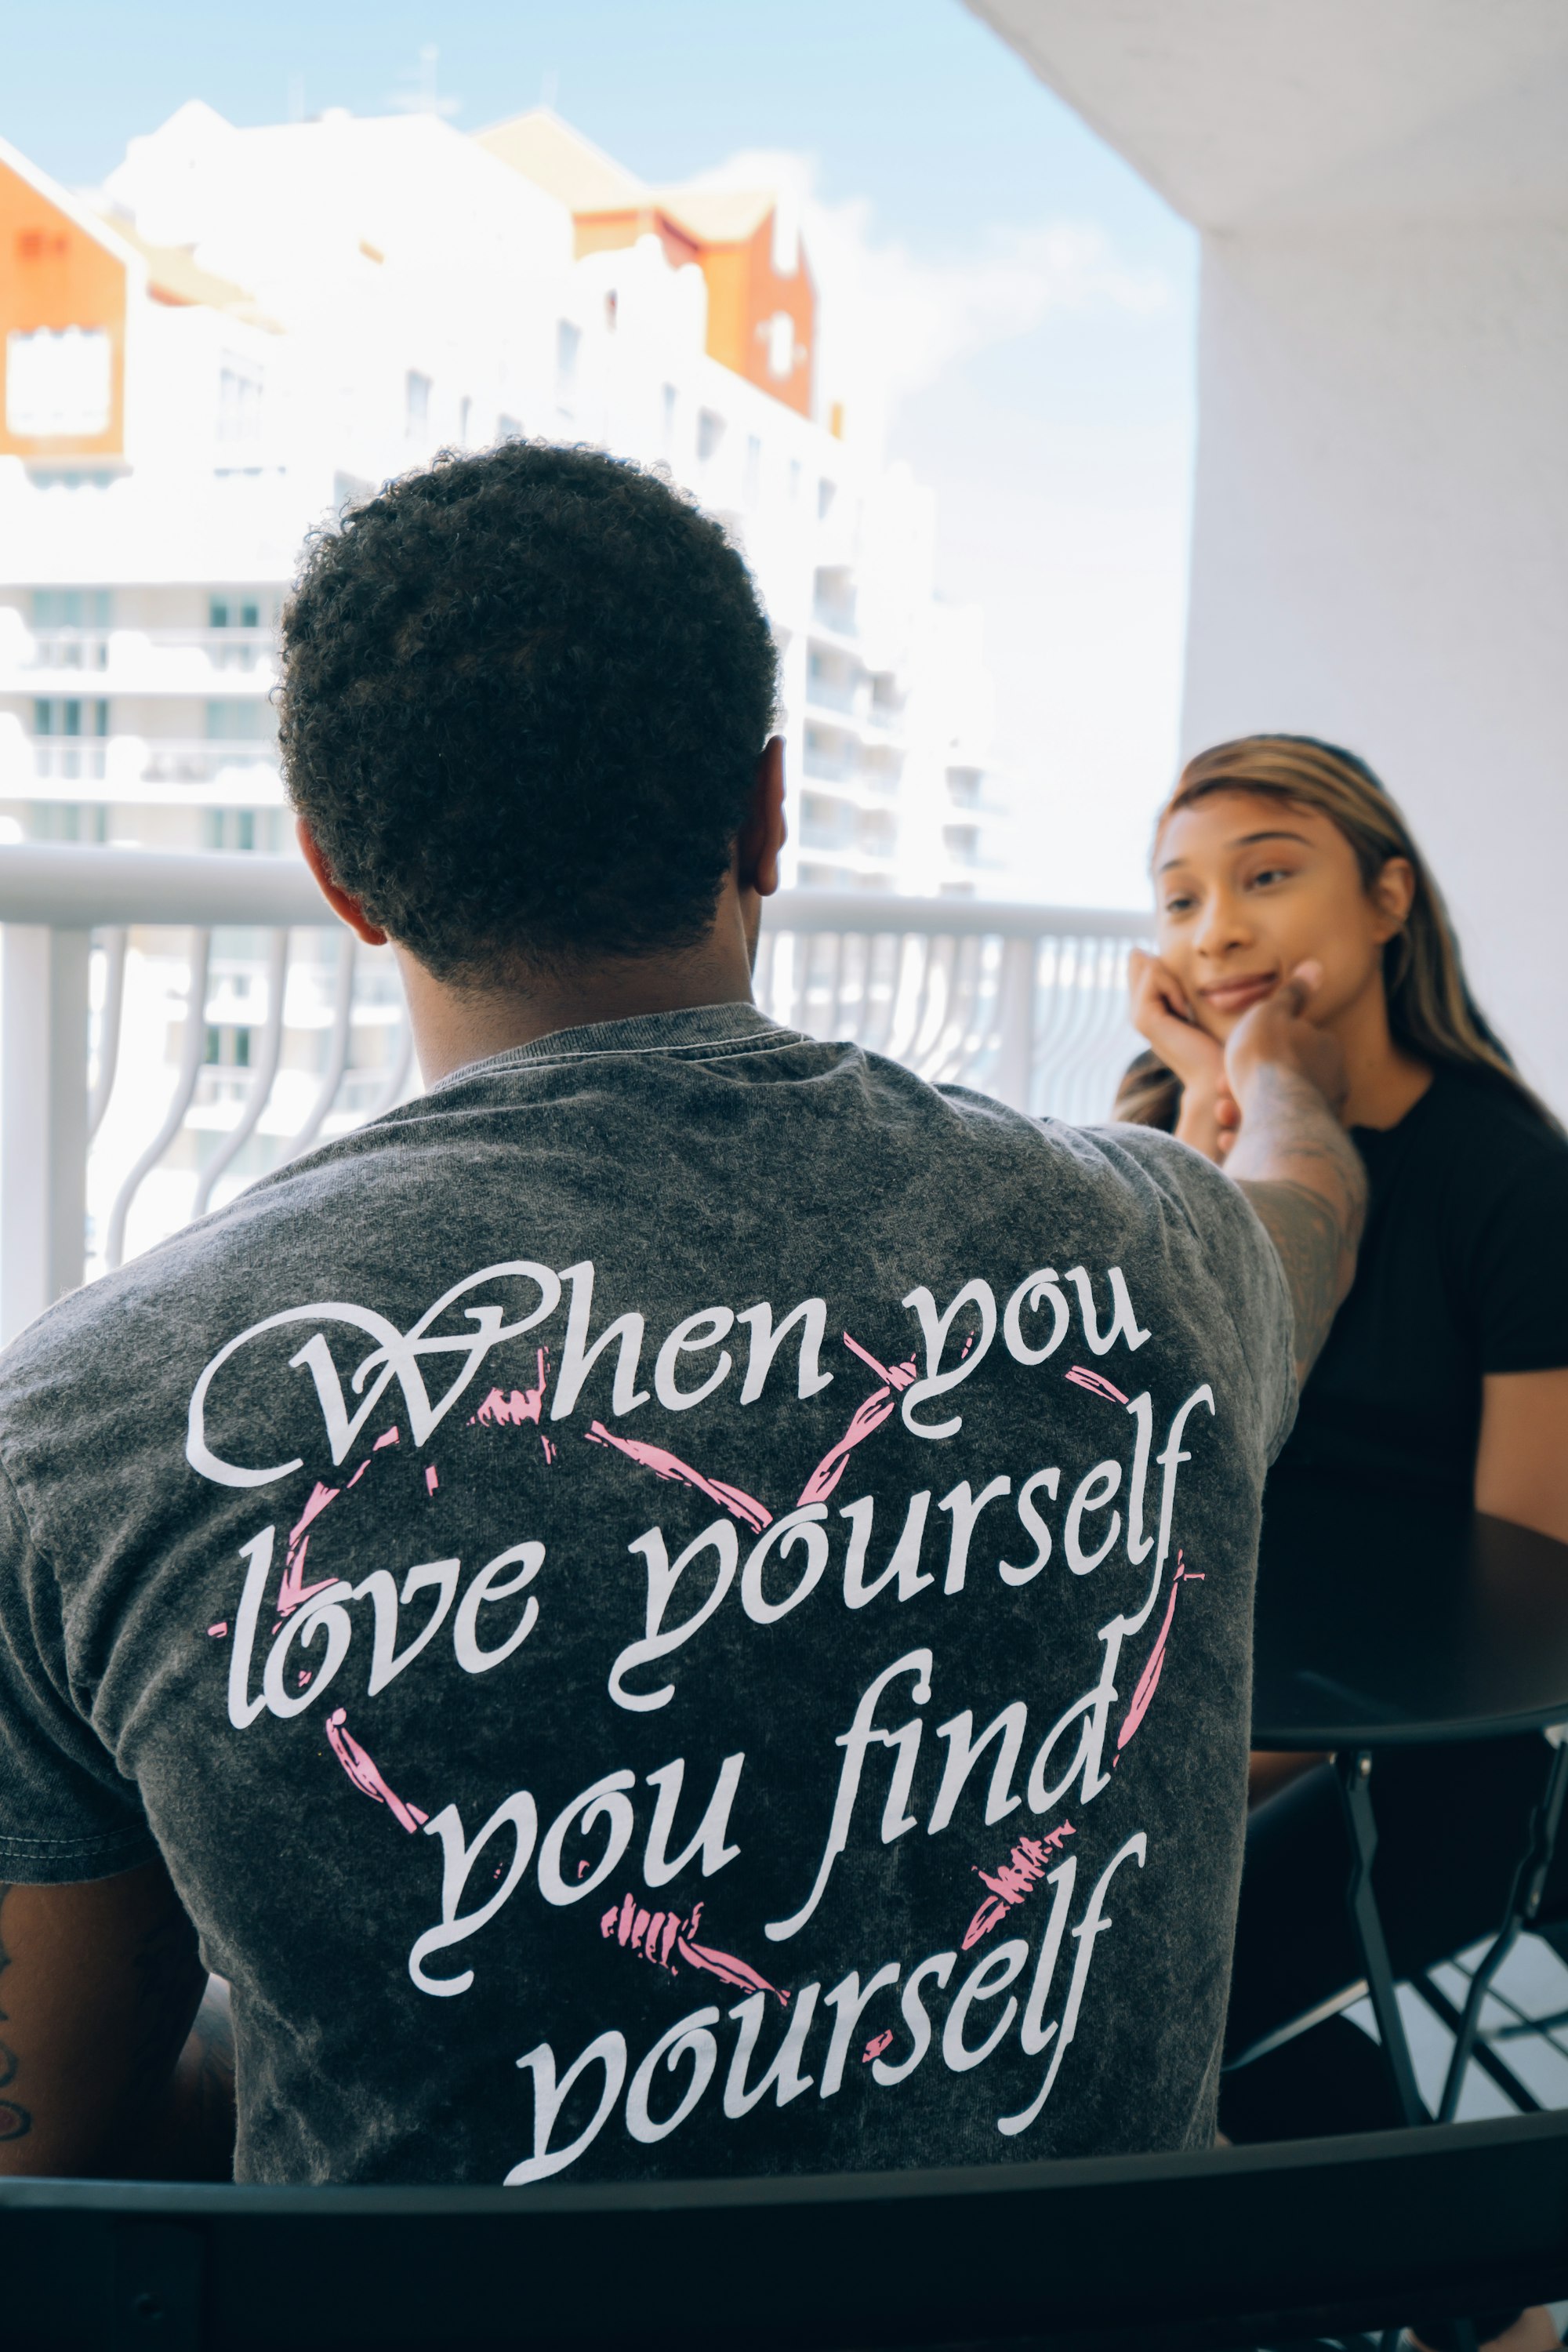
[245, 329]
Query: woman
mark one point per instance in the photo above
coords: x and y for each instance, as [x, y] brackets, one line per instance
[1447, 1369]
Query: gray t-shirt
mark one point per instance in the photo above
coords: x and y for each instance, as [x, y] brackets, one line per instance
[680, 1605]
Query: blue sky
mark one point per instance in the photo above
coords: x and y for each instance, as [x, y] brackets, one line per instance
[1058, 429]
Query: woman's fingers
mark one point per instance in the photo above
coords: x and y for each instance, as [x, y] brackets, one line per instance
[1161, 1012]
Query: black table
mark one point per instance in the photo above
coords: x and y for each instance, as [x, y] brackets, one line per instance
[1386, 1621]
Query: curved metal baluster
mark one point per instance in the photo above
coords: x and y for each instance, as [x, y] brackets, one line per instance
[112, 1021]
[337, 1049]
[881, 1001]
[834, 1024]
[192, 1041]
[925, 1048]
[1051, 1012]
[263, 1077]
[391, 1094]
[910, 981]
[946, 1060]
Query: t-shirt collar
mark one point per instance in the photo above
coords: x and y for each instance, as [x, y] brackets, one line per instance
[644, 1033]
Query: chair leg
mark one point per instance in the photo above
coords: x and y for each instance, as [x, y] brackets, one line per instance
[1482, 2055]
[1523, 1903]
[1352, 1770]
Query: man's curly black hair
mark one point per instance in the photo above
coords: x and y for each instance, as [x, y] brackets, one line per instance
[523, 699]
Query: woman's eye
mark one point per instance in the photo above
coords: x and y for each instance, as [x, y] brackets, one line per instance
[1177, 906]
[1271, 873]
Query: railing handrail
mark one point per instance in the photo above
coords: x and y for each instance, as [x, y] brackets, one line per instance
[70, 887]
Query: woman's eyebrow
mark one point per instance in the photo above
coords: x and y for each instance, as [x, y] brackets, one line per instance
[1245, 841]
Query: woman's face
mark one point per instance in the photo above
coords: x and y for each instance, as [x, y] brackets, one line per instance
[1247, 887]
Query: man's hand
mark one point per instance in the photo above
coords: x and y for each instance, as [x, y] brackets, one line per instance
[1161, 1012]
[98, 1985]
[1292, 1158]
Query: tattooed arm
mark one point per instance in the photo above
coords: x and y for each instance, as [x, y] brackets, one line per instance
[101, 2071]
[1292, 1158]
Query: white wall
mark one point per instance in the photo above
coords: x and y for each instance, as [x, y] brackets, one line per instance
[1381, 553]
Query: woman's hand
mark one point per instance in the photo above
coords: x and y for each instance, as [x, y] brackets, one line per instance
[1161, 1012]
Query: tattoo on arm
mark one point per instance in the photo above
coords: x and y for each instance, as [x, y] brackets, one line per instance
[1305, 1178]
[16, 2123]
[1304, 1231]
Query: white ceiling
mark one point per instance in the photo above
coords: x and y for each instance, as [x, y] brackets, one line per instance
[1241, 111]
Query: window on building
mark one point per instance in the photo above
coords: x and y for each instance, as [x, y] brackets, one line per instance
[961, 843]
[242, 829]
[72, 608]
[753, 486]
[612, 311]
[417, 389]
[508, 428]
[964, 787]
[465, 414]
[568, 346]
[238, 720]
[234, 613]
[239, 395]
[67, 820]
[667, 418]
[228, 1042]
[58, 381]
[879, 832]
[795, 481]
[826, 492]
[69, 715]
[778, 337]
[709, 434]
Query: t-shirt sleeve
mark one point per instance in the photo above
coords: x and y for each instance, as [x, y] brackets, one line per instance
[1516, 1254]
[1244, 1264]
[66, 1811]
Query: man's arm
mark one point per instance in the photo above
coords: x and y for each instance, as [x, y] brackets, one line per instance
[99, 2070]
[1293, 1159]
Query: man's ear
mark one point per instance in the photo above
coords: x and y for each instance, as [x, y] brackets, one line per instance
[760, 841]
[347, 910]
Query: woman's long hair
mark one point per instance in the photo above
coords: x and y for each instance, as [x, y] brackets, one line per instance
[1431, 1013]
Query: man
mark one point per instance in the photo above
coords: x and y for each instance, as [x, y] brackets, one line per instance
[681, 1603]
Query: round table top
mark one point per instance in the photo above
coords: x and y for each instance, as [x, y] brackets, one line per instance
[1387, 1620]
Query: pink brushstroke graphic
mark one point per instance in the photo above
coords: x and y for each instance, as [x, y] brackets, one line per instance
[523, 1405]
[875, 2047]
[388, 1437]
[867, 1418]
[733, 1499]
[220, 1629]
[662, 1937]
[1016, 1878]
[362, 1770]
[1149, 1680]
[292, 1590]
[431, 1480]
[1095, 1382]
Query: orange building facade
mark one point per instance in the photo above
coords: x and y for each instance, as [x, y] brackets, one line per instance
[63, 308]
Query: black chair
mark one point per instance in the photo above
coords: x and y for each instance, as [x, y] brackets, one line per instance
[1262, 2246]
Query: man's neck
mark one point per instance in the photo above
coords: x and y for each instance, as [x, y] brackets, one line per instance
[454, 1026]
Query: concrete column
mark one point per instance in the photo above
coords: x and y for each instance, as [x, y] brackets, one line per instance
[1379, 552]
[43, 1112]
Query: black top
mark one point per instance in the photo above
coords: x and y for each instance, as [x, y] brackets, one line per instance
[1463, 1271]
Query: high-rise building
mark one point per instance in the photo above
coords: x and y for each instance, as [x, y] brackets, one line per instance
[245, 331]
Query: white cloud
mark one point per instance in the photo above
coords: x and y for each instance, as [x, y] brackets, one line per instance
[891, 320]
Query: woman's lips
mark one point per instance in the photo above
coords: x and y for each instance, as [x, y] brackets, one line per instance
[1238, 995]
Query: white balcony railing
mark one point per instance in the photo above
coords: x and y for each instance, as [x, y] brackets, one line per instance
[175, 1024]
